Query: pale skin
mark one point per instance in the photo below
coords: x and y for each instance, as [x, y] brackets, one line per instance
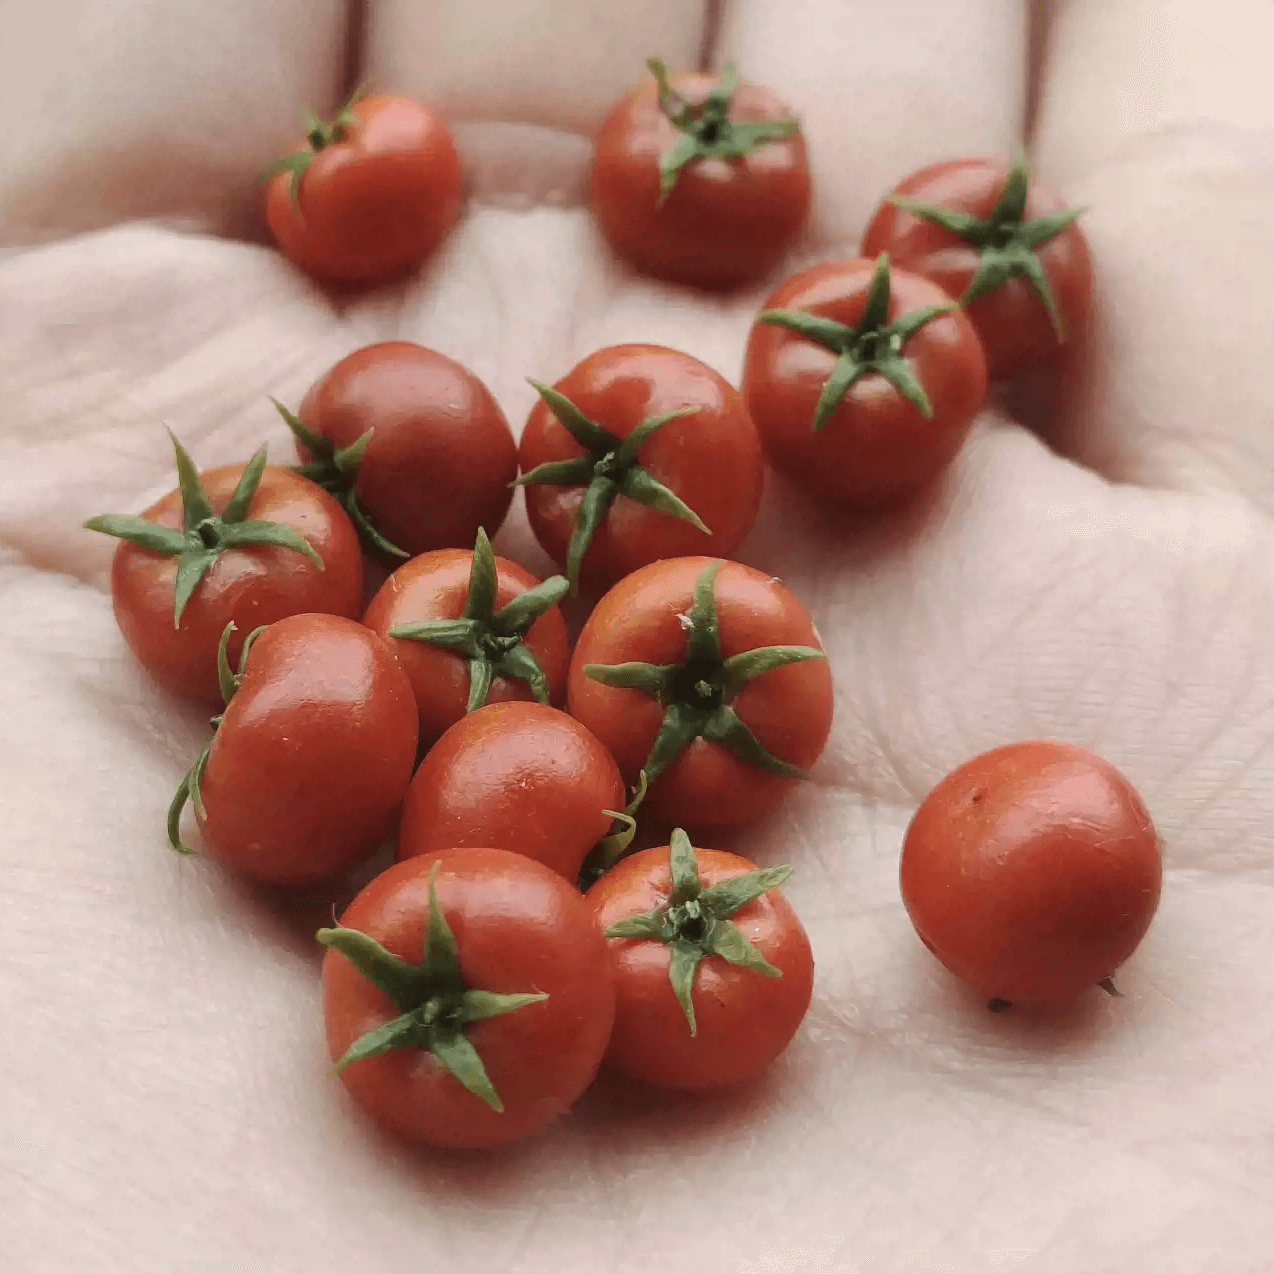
[171, 1091]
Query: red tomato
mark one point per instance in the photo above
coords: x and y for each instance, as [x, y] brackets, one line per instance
[1032, 872]
[254, 573]
[655, 617]
[516, 929]
[440, 458]
[437, 586]
[516, 776]
[311, 761]
[914, 393]
[743, 1018]
[1003, 220]
[741, 192]
[610, 515]
[367, 197]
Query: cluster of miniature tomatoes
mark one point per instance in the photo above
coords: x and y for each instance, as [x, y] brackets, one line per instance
[473, 989]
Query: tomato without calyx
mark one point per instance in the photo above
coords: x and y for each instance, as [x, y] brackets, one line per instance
[517, 776]
[1032, 871]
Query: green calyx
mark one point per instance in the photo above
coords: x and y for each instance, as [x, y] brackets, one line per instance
[1007, 244]
[695, 922]
[491, 640]
[609, 470]
[872, 345]
[189, 788]
[610, 849]
[434, 1005]
[206, 535]
[707, 132]
[696, 694]
[319, 134]
[336, 471]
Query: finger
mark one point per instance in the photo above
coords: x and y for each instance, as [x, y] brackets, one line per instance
[883, 89]
[154, 109]
[1115, 73]
[1170, 389]
[559, 63]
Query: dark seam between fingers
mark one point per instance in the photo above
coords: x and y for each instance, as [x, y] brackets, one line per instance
[1039, 26]
[355, 47]
[713, 13]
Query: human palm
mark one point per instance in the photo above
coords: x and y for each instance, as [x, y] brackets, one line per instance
[1105, 575]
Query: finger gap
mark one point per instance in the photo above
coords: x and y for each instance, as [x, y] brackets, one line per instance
[1039, 26]
[355, 48]
[713, 16]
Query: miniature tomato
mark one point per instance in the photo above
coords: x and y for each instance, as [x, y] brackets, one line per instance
[518, 776]
[863, 382]
[311, 759]
[471, 629]
[639, 453]
[1007, 247]
[713, 969]
[710, 678]
[413, 446]
[368, 195]
[1032, 872]
[468, 999]
[242, 544]
[700, 179]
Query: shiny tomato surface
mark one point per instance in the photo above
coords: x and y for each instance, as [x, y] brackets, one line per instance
[519, 928]
[1032, 871]
[311, 761]
[375, 201]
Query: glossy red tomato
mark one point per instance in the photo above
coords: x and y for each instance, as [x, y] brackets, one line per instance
[440, 458]
[1015, 237]
[743, 735]
[517, 776]
[742, 186]
[612, 511]
[513, 928]
[744, 1017]
[368, 196]
[253, 571]
[1032, 872]
[311, 761]
[872, 403]
[437, 587]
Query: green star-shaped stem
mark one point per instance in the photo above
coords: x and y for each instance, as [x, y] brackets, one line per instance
[873, 344]
[229, 681]
[696, 694]
[435, 1006]
[707, 132]
[336, 471]
[318, 134]
[1007, 244]
[609, 470]
[206, 535]
[491, 640]
[695, 922]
